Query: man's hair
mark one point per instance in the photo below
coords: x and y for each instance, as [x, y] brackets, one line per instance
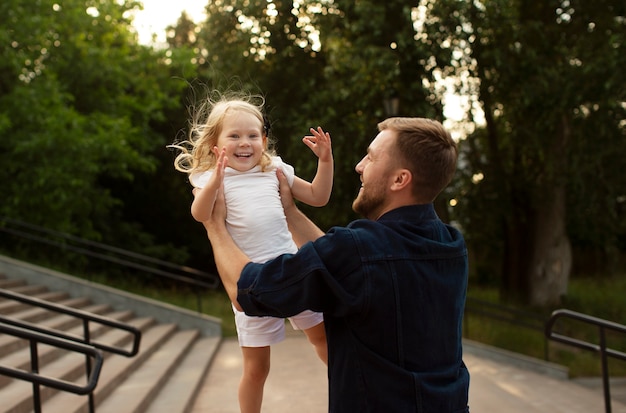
[424, 147]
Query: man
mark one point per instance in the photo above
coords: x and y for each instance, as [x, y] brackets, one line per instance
[391, 286]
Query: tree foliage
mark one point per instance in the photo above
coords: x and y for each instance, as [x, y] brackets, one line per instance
[86, 113]
[548, 79]
[81, 103]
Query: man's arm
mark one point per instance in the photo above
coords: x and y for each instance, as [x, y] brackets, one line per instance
[302, 228]
[229, 259]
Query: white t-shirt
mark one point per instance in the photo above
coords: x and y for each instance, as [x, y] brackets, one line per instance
[254, 214]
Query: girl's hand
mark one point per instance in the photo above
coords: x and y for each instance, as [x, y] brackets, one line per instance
[320, 144]
[206, 199]
[217, 178]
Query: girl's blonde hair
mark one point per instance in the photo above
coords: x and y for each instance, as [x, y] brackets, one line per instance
[196, 153]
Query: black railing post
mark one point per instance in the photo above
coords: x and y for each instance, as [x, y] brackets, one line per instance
[34, 368]
[87, 337]
[601, 348]
[21, 330]
[605, 370]
[37, 334]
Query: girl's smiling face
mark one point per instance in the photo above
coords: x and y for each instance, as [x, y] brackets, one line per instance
[242, 136]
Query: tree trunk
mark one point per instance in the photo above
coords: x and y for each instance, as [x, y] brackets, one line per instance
[551, 258]
[538, 258]
[515, 264]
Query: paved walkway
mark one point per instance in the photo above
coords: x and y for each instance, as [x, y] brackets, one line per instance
[297, 383]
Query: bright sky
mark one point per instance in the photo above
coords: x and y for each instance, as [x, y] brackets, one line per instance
[158, 14]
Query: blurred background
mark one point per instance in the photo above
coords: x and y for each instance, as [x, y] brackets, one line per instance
[92, 92]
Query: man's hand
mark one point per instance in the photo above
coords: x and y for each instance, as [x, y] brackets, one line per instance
[301, 228]
[286, 198]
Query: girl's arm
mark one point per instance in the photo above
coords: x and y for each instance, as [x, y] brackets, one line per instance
[204, 198]
[317, 192]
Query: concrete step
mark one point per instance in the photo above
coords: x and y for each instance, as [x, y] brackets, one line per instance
[115, 371]
[165, 376]
[28, 289]
[144, 384]
[8, 307]
[9, 283]
[179, 393]
[36, 314]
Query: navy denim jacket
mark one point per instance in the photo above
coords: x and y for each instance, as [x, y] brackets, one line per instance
[392, 292]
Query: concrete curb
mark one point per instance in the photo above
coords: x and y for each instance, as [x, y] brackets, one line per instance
[518, 360]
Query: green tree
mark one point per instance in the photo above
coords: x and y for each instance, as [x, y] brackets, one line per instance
[548, 77]
[83, 109]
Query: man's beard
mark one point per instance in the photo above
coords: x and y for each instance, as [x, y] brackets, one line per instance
[368, 204]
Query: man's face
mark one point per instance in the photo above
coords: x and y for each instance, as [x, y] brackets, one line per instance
[374, 170]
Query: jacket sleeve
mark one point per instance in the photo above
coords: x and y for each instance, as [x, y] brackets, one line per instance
[323, 276]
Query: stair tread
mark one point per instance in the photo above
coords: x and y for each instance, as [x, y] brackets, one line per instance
[10, 306]
[10, 283]
[142, 385]
[165, 376]
[29, 289]
[115, 369]
[35, 314]
[183, 385]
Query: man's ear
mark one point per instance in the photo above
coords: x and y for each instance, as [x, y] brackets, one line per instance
[402, 180]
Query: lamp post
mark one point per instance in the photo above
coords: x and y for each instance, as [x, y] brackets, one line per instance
[392, 104]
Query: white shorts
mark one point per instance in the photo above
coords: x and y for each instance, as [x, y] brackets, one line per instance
[264, 331]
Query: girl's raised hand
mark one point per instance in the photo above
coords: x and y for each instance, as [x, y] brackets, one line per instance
[217, 178]
[205, 204]
[319, 142]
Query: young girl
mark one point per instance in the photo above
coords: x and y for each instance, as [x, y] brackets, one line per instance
[255, 216]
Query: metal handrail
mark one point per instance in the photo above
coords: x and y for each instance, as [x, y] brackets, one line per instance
[603, 326]
[86, 318]
[34, 337]
[190, 276]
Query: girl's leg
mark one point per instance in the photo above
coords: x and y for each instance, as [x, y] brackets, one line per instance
[256, 367]
[317, 337]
